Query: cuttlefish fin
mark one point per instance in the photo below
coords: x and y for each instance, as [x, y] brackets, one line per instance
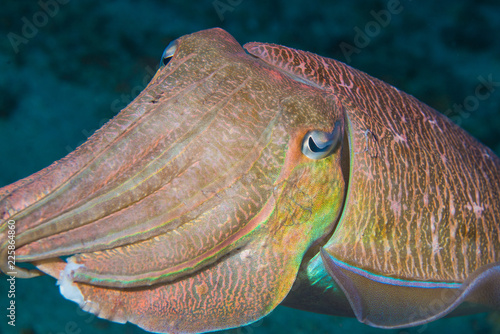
[393, 303]
[239, 289]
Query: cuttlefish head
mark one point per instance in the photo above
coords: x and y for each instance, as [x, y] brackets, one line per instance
[193, 208]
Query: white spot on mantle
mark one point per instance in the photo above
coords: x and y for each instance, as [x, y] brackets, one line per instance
[452, 206]
[396, 207]
[478, 209]
[246, 254]
[398, 138]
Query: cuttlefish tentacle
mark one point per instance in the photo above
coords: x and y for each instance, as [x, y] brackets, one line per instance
[191, 210]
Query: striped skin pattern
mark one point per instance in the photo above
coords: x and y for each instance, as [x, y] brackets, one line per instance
[192, 209]
[195, 209]
[423, 194]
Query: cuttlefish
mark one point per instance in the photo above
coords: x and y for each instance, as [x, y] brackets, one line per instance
[243, 178]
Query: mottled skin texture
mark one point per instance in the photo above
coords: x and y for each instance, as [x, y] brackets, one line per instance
[195, 208]
[425, 193]
[422, 202]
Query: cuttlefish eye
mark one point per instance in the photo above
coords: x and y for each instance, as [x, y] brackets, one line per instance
[319, 144]
[168, 53]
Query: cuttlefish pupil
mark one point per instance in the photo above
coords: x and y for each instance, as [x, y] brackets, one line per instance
[319, 144]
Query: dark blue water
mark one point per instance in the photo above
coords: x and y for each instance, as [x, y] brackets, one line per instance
[66, 69]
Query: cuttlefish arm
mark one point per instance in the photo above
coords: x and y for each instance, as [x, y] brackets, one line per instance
[192, 209]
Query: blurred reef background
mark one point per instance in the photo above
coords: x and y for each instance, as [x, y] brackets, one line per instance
[80, 62]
